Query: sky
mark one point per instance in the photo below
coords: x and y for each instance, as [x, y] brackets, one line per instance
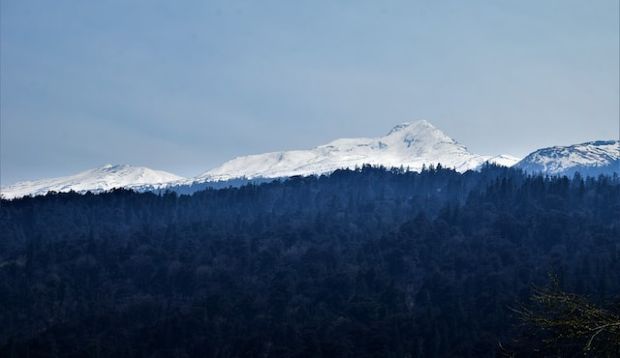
[185, 86]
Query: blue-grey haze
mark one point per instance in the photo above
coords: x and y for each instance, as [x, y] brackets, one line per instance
[186, 85]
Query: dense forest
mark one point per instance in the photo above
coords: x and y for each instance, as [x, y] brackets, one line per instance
[360, 263]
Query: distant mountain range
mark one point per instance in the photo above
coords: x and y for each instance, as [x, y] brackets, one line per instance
[410, 146]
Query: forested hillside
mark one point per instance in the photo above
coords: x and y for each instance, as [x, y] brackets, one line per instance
[362, 263]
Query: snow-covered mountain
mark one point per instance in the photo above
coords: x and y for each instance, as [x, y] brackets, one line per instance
[410, 145]
[590, 158]
[94, 180]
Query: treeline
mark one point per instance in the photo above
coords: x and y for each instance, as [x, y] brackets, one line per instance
[362, 263]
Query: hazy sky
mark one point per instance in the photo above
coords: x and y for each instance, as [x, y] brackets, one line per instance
[186, 85]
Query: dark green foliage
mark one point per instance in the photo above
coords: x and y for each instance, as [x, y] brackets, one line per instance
[361, 264]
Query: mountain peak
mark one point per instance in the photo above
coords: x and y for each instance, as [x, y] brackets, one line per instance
[419, 134]
[117, 166]
[120, 169]
[114, 167]
[411, 126]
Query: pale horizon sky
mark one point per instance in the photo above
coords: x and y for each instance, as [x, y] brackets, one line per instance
[186, 86]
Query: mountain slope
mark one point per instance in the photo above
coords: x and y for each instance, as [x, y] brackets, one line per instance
[590, 158]
[94, 180]
[409, 145]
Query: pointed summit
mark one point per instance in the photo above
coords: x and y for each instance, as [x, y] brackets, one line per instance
[420, 137]
[412, 126]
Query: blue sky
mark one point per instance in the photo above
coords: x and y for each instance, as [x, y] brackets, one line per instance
[184, 86]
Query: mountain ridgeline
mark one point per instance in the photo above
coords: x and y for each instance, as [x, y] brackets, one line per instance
[589, 159]
[410, 146]
[360, 263]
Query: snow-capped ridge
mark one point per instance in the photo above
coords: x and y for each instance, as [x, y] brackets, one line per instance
[589, 158]
[409, 144]
[95, 180]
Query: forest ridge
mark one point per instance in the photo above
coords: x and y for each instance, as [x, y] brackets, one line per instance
[360, 263]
